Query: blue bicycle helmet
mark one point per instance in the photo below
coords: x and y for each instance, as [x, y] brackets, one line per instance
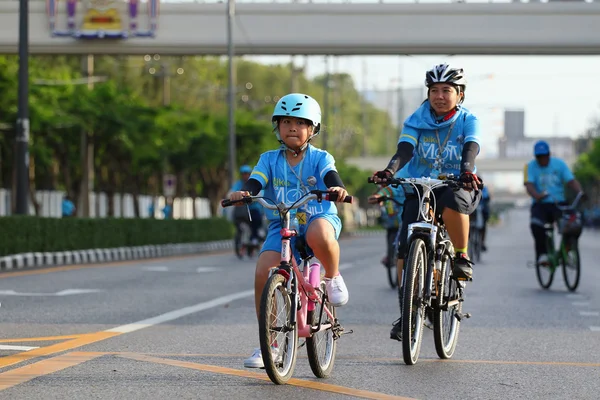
[541, 148]
[245, 169]
[300, 106]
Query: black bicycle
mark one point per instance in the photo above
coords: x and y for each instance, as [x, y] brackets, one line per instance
[428, 286]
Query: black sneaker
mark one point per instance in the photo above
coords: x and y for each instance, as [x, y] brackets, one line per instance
[462, 269]
[396, 332]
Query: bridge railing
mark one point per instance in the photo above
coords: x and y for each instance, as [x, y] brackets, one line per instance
[359, 1]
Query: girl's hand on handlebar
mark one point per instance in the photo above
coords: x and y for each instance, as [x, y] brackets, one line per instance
[341, 193]
[236, 196]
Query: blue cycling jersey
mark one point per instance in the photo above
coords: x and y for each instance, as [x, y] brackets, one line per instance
[420, 131]
[284, 183]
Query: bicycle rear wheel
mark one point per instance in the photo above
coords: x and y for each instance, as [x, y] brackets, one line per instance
[278, 338]
[446, 325]
[321, 346]
[571, 267]
[413, 309]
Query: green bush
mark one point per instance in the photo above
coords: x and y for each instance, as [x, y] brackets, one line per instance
[24, 234]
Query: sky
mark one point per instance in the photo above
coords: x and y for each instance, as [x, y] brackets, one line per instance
[559, 94]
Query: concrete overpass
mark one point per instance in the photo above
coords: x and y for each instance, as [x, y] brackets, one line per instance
[340, 29]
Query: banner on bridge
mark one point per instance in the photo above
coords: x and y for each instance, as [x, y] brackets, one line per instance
[102, 19]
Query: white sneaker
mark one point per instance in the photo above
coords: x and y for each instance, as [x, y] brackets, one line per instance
[543, 260]
[337, 293]
[256, 360]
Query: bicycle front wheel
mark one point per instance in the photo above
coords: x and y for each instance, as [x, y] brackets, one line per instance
[278, 337]
[448, 304]
[392, 271]
[321, 345]
[413, 309]
[545, 273]
[571, 267]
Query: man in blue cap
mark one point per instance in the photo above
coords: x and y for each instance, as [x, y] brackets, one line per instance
[545, 178]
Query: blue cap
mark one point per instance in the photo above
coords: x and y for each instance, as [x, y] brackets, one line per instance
[541, 148]
[245, 169]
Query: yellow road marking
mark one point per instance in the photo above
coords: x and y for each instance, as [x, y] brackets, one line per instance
[38, 339]
[254, 375]
[45, 367]
[81, 340]
[394, 360]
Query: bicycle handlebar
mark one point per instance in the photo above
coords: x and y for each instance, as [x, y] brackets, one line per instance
[449, 180]
[313, 195]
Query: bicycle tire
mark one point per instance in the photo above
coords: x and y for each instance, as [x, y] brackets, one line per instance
[392, 271]
[268, 304]
[446, 326]
[413, 318]
[321, 366]
[571, 266]
[545, 274]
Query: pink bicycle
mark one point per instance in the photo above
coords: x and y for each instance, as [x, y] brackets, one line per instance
[294, 300]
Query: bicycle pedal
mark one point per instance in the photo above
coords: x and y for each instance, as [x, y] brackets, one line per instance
[461, 316]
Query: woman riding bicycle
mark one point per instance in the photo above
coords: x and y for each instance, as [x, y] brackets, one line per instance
[440, 137]
[287, 173]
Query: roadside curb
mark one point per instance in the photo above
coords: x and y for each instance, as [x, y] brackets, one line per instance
[91, 256]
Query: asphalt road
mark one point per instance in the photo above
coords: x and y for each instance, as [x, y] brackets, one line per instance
[180, 328]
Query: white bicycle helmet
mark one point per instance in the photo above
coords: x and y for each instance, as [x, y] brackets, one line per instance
[443, 73]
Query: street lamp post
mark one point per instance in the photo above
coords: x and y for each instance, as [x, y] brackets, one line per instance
[22, 156]
[231, 90]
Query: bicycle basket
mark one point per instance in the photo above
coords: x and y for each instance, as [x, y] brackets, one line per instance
[570, 223]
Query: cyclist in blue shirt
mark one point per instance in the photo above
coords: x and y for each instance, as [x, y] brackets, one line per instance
[240, 214]
[544, 179]
[391, 216]
[285, 175]
[442, 136]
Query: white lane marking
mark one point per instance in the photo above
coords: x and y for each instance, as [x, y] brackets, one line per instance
[157, 268]
[182, 312]
[206, 269]
[17, 348]
[66, 292]
[581, 303]
[589, 313]
[595, 328]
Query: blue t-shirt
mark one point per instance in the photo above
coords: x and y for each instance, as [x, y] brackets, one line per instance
[280, 181]
[420, 131]
[551, 178]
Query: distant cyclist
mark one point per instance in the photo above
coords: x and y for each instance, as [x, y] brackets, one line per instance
[544, 179]
[391, 217]
[240, 214]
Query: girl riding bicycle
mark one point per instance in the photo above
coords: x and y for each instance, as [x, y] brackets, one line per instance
[285, 174]
[440, 137]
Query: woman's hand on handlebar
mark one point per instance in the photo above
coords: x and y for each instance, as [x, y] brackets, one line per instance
[381, 176]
